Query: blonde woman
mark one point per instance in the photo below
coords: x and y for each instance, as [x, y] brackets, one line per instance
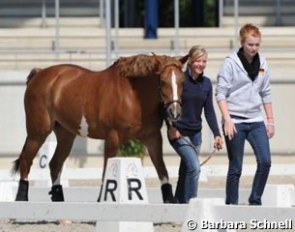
[196, 97]
[243, 87]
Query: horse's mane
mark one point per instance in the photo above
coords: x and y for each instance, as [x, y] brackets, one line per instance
[144, 65]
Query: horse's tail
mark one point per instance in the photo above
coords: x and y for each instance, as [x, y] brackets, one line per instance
[16, 164]
[32, 74]
[15, 167]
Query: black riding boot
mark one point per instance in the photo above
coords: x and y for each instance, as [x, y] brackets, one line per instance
[167, 193]
[56, 193]
[22, 191]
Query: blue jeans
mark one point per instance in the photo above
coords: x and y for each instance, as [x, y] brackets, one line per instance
[189, 169]
[255, 134]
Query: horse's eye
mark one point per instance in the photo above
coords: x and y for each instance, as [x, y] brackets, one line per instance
[162, 83]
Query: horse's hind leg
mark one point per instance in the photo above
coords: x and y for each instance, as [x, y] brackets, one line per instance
[65, 141]
[154, 146]
[24, 163]
[111, 146]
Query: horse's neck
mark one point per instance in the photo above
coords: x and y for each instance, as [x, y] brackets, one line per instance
[147, 88]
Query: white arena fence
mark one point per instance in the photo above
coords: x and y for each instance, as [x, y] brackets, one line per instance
[149, 172]
[197, 211]
[278, 201]
[41, 180]
[160, 213]
[274, 195]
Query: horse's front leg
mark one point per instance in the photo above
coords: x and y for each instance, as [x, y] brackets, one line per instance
[154, 145]
[111, 146]
[65, 141]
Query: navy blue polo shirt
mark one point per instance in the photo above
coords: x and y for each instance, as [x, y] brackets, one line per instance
[196, 96]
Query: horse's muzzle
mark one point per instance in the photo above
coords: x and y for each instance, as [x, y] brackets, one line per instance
[173, 110]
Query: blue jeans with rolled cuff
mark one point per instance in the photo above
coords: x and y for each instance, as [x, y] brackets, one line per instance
[255, 133]
[189, 169]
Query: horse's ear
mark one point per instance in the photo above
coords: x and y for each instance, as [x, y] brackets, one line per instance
[183, 59]
[158, 60]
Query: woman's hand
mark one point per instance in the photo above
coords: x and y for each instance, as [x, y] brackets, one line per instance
[218, 142]
[270, 126]
[229, 128]
[270, 129]
[173, 133]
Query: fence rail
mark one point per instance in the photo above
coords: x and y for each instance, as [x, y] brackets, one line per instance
[93, 211]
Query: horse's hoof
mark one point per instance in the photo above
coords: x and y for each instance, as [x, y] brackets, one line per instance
[22, 192]
[167, 194]
[57, 193]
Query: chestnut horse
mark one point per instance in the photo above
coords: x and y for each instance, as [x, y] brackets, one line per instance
[124, 101]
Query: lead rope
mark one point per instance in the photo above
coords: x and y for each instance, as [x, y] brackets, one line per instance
[189, 143]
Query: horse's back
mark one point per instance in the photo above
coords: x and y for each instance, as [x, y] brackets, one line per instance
[77, 97]
[51, 90]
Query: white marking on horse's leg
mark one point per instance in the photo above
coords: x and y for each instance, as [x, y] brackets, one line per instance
[83, 127]
[165, 181]
[57, 181]
[174, 86]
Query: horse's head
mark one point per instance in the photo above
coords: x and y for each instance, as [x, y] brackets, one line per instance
[171, 80]
[169, 71]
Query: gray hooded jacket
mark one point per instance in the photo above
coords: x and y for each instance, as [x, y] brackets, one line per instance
[244, 97]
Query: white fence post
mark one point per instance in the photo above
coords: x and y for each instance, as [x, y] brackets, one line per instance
[124, 183]
[199, 212]
[8, 190]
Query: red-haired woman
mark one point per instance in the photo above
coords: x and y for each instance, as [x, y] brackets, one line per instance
[243, 87]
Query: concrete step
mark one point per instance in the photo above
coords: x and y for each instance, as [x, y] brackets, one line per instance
[42, 61]
[37, 2]
[132, 39]
[30, 8]
[48, 43]
[50, 22]
[100, 55]
[278, 61]
[259, 10]
[195, 32]
[29, 11]
[262, 21]
[259, 3]
[262, 13]
[23, 47]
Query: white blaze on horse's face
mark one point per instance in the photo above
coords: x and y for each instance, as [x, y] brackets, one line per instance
[174, 107]
[174, 86]
[83, 131]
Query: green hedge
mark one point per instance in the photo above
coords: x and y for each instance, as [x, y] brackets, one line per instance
[132, 148]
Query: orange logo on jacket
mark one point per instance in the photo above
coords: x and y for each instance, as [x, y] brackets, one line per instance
[261, 71]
